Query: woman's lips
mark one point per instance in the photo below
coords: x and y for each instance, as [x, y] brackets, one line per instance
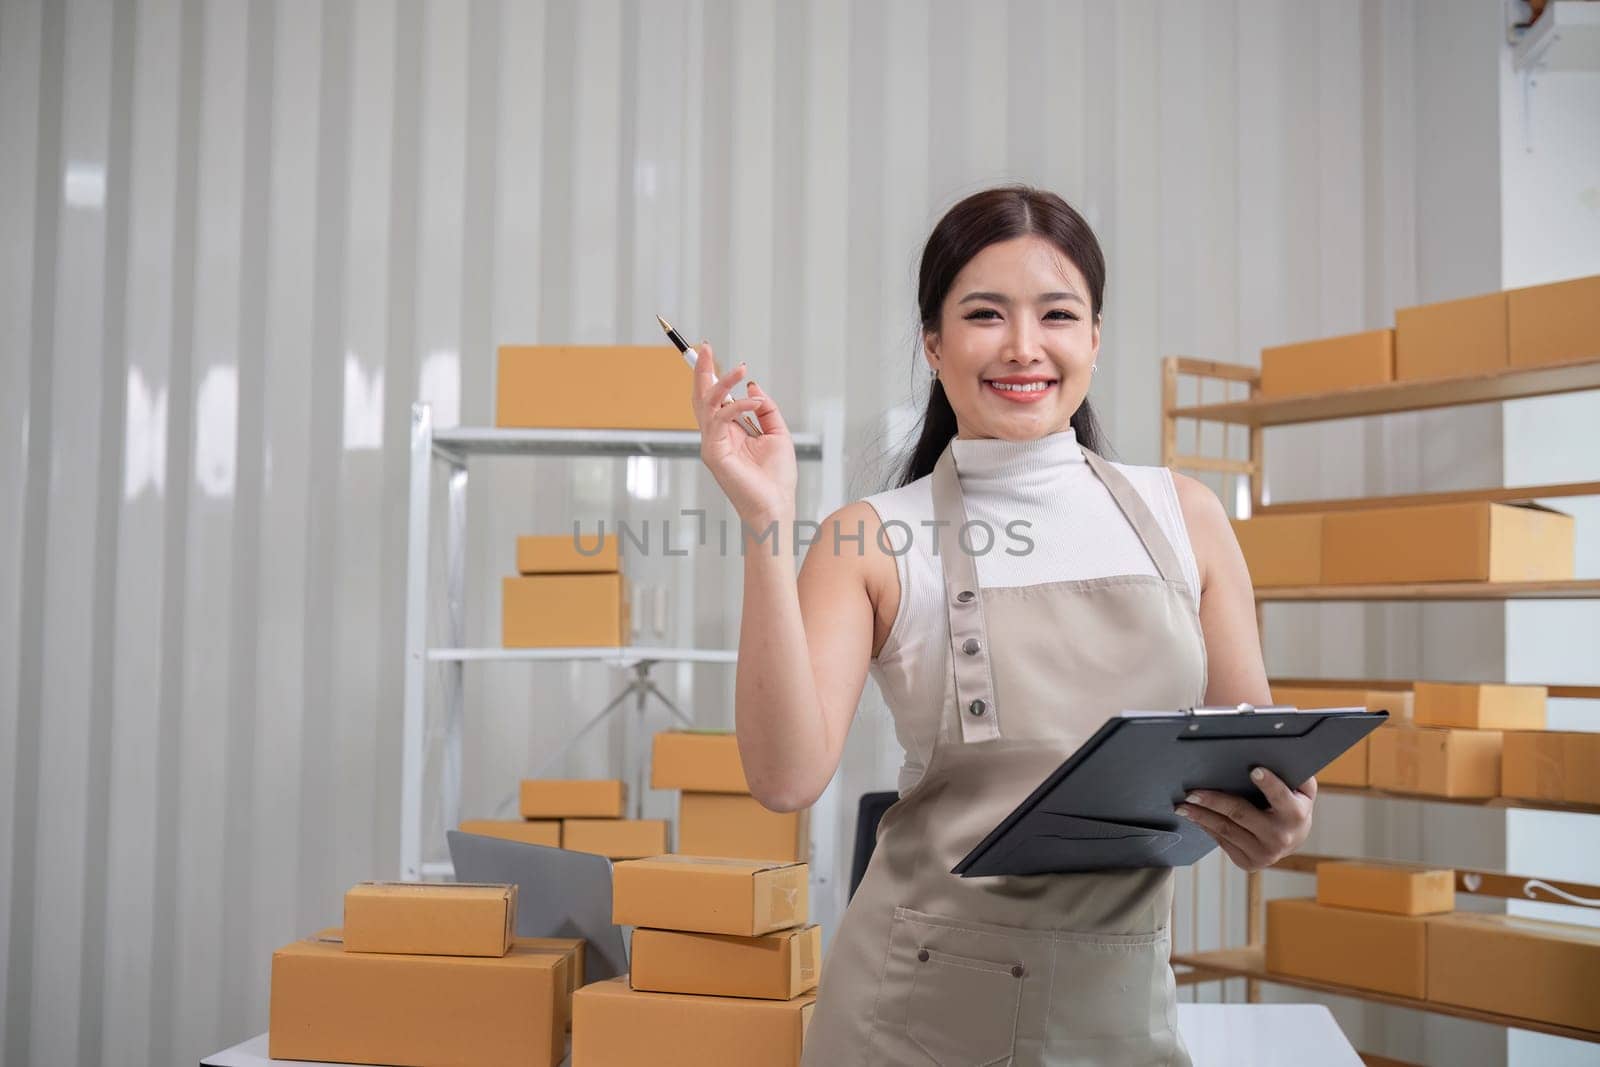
[1030, 395]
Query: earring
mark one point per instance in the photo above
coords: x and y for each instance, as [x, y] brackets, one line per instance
[1093, 367]
[935, 373]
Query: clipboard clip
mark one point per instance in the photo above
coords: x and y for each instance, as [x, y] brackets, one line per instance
[1228, 709]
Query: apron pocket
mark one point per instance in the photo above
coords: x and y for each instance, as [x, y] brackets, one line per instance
[981, 994]
[1112, 987]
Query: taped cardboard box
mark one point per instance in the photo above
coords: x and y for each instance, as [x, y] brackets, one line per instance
[1555, 323]
[430, 918]
[616, 1026]
[1470, 542]
[1480, 707]
[618, 839]
[1281, 550]
[1365, 949]
[698, 761]
[1393, 889]
[777, 966]
[564, 611]
[567, 554]
[417, 1011]
[574, 947]
[1435, 762]
[1333, 363]
[1530, 968]
[726, 824]
[572, 798]
[647, 387]
[545, 832]
[1452, 339]
[710, 895]
[1553, 765]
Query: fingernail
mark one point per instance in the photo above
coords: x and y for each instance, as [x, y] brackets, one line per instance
[1192, 798]
[1256, 775]
[1180, 811]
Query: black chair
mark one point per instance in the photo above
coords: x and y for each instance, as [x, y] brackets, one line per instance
[868, 814]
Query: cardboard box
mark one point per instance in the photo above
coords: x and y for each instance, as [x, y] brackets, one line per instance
[1349, 769]
[726, 824]
[710, 895]
[1328, 365]
[646, 387]
[699, 761]
[1393, 889]
[1471, 542]
[564, 611]
[1530, 968]
[1435, 762]
[615, 1026]
[777, 966]
[1365, 949]
[430, 918]
[1555, 323]
[417, 1011]
[567, 554]
[1581, 768]
[1281, 549]
[1552, 765]
[1480, 707]
[1452, 339]
[574, 948]
[528, 831]
[618, 839]
[572, 798]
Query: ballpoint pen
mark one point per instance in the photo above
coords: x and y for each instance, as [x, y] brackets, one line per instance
[747, 419]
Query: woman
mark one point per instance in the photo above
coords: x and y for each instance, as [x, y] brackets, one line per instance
[1103, 587]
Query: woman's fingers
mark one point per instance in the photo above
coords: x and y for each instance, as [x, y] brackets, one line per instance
[767, 412]
[1235, 809]
[1225, 831]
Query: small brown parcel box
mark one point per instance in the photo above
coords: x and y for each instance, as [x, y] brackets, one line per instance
[1480, 707]
[1281, 549]
[770, 967]
[1530, 968]
[430, 918]
[1365, 949]
[1451, 339]
[417, 1011]
[615, 1026]
[699, 761]
[528, 831]
[603, 387]
[1581, 768]
[573, 947]
[1471, 542]
[572, 798]
[1330, 364]
[1555, 765]
[709, 895]
[1394, 889]
[1435, 762]
[1555, 323]
[1350, 768]
[618, 839]
[567, 554]
[564, 611]
[727, 824]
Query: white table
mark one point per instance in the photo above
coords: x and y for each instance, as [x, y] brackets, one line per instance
[1218, 1035]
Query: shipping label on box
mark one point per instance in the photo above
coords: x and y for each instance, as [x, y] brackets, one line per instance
[545, 832]
[618, 839]
[729, 825]
[1365, 949]
[567, 554]
[647, 387]
[616, 1026]
[1328, 365]
[1530, 968]
[709, 895]
[1395, 889]
[1480, 707]
[573, 798]
[564, 611]
[1435, 762]
[776, 966]
[430, 918]
[698, 761]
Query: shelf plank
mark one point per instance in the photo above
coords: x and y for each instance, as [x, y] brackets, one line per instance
[1497, 884]
[1250, 962]
[1574, 589]
[626, 656]
[1510, 384]
[1501, 494]
[1476, 802]
[1576, 692]
[462, 441]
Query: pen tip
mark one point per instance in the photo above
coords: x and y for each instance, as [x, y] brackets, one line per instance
[665, 325]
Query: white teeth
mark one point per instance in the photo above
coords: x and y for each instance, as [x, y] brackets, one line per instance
[1031, 387]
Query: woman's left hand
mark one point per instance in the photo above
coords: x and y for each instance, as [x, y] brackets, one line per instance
[1251, 837]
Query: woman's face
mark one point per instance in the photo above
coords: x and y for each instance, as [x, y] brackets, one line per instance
[1016, 341]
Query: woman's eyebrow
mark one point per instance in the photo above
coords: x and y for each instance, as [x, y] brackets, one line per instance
[1001, 298]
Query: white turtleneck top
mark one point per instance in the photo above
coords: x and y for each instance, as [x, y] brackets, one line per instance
[1040, 491]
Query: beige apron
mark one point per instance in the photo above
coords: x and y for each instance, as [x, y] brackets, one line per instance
[927, 967]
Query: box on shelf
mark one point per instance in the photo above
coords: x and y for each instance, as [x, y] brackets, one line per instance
[1350, 768]
[709, 895]
[430, 918]
[567, 554]
[1480, 707]
[575, 948]
[564, 611]
[700, 761]
[1281, 549]
[776, 966]
[1435, 762]
[1552, 765]
[1555, 323]
[730, 825]
[1365, 949]
[1529, 968]
[1394, 889]
[616, 1026]
[618, 839]
[528, 831]
[572, 798]
[1452, 339]
[416, 1011]
[1329, 364]
[645, 387]
[1468, 542]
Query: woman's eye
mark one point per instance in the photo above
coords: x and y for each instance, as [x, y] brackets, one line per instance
[1065, 316]
[983, 313]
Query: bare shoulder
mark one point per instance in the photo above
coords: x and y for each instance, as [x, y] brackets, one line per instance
[848, 551]
[1207, 521]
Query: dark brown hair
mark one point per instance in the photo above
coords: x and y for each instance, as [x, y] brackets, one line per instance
[974, 224]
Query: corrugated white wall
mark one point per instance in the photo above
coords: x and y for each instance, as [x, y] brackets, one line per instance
[238, 239]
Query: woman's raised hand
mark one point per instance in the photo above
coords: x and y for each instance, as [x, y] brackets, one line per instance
[756, 473]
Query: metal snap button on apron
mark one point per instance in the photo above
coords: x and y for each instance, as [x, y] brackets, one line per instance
[977, 707]
[922, 955]
[965, 596]
[970, 646]
[1017, 972]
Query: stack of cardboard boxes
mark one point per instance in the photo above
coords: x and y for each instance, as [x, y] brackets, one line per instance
[425, 974]
[717, 816]
[569, 592]
[583, 814]
[723, 962]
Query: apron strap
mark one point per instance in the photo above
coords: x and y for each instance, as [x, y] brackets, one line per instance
[969, 638]
[1139, 515]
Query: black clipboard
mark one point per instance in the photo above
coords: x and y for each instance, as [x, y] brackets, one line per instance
[1110, 805]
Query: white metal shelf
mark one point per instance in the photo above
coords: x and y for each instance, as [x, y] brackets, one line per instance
[625, 656]
[667, 444]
